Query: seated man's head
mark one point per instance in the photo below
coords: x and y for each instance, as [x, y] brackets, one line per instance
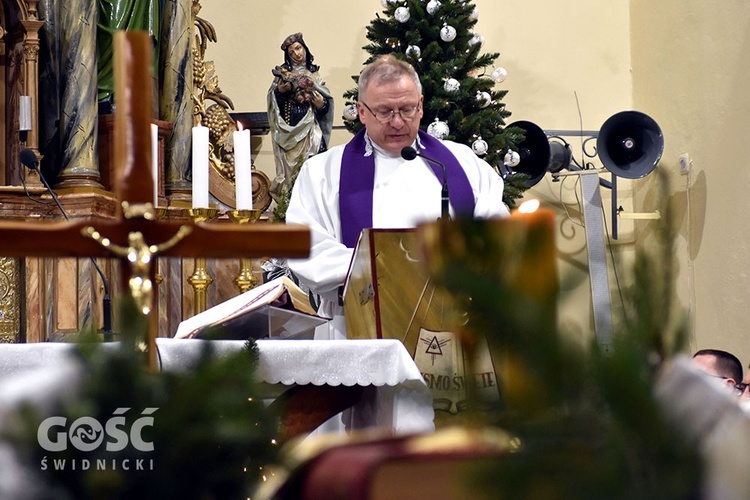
[745, 386]
[719, 364]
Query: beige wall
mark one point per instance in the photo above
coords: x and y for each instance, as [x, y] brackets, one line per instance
[550, 49]
[690, 66]
[554, 51]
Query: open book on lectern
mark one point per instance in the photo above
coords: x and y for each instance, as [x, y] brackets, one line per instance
[278, 309]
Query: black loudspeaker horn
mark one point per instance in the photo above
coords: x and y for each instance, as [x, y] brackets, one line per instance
[630, 144]
[538, 154]
[559, 156]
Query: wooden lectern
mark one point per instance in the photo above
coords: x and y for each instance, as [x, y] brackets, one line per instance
[389, 294]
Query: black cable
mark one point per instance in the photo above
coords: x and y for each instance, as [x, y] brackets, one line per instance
[614, 271]
[28, 194]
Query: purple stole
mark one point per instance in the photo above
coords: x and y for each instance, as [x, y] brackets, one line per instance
[358, 180]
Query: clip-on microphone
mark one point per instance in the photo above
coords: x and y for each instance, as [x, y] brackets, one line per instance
[29, 159]
[409, 153]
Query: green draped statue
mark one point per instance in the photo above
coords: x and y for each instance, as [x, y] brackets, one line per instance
[114, 15]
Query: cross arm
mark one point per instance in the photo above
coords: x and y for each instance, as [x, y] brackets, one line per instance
[212, 240]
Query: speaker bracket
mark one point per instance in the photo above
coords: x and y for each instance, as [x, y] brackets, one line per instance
[622, 214]
[628, 145]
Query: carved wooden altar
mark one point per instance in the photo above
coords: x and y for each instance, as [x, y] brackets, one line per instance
[48, 298]
[19, 46]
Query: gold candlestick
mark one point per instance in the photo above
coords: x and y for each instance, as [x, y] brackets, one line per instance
[245, 279]
[244, 216]
[202, 214]
[200, 279]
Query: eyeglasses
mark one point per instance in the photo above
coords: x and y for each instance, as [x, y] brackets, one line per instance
[386, 116]
[740, 387]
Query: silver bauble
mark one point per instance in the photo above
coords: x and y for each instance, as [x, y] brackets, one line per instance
[438, 129]
[413, 51]
[476, 39]
[512, 158]
[479, 146]
[432, 6]
[484, 99]
[350, 112]
[474, 14]
[447, 33]
[402, 14]
[499, 75]
[451, 85]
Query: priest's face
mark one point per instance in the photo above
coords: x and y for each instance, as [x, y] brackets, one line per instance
[391, 111]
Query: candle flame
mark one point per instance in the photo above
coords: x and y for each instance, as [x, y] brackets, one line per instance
[529, 206]
[240, 128]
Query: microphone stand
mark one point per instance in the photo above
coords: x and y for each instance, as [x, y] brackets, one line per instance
[106, 301]
[444, 198]
[409, 153]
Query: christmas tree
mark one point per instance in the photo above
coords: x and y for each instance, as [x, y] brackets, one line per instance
[461, 102]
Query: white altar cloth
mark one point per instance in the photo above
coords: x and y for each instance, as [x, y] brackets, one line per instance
[395, 399]
[399, 400]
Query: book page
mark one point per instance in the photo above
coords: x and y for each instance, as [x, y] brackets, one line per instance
[252, 300]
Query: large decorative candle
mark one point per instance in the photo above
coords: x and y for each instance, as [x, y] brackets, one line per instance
[537, 276]
[242, 169]
[200, 167]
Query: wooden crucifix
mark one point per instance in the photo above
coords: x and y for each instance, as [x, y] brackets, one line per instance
[134, 235]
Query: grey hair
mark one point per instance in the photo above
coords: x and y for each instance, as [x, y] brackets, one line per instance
[387, 68]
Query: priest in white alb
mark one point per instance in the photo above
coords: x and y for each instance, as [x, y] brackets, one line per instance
[367, 184]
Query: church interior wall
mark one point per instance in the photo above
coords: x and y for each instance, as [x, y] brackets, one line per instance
[690, 70]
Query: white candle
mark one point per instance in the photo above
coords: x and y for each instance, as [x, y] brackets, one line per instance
[242, 169]
[155, 161]
[200, 167]
[24, 113]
